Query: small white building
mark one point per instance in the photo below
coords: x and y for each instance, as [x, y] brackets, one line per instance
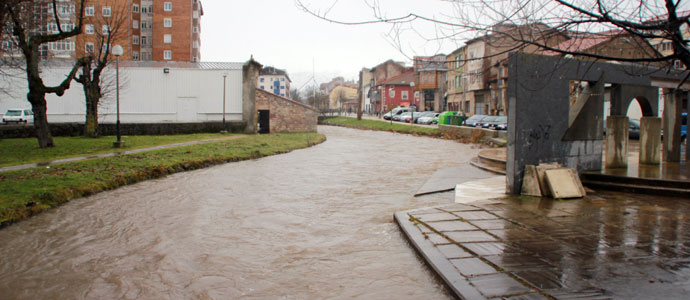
[150, 92]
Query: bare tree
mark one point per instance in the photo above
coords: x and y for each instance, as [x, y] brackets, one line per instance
[644, 20]
[106, 31]
[26, 23]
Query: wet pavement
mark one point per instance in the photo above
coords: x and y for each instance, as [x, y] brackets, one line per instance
[315, 223]
[605, 246]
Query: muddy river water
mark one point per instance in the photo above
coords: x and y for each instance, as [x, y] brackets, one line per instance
[315, 223]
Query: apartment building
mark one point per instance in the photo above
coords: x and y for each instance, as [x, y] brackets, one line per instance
[147, 30]
[274, 81]
[430, 82]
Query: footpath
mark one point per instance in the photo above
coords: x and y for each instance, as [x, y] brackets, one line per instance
[110, 154]
[607, 245]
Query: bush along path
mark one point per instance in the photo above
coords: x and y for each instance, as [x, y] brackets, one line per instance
[381, 126]
[28, 192]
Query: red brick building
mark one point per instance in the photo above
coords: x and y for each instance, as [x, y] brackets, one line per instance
[397, 91]
[147, 30]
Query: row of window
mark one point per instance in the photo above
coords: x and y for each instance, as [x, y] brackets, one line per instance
[270, 79]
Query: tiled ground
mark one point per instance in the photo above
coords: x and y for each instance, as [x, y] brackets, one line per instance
[608, 245]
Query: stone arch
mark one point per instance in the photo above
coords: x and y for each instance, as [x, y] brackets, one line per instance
[645, 106]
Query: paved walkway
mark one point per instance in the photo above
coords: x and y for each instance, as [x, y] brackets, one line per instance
[110, 154]
[604, 246]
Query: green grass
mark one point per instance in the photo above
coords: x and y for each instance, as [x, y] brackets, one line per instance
[31, 191]
[381, 126]
[26, 150]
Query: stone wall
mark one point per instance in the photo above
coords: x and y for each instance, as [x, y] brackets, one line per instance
[287, 115]
[466, 132]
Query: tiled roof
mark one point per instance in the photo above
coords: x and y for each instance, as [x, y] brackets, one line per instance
[583, 42]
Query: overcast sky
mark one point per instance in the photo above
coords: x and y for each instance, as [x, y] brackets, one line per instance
[279, 34]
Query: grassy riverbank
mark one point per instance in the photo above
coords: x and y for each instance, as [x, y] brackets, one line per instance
[381, 126]
[31, 191]
[24, 151]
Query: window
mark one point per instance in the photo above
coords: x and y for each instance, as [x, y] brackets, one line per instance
[196, 44]
[196, 29]
[262, 87]
[282, 79]
[89, 48]
[195, 14]
[135, 9]
[391, 93]
[62, 46]
[135, 24]
[167, 22]
[167, 38]
[261, 79]
[135, 55]
[105, 30]
[167, 55]
[144, 40]
[89, 29]
[404, 95]
[135, 40]
[167, 6]
[107, 12]
[89, 11]
[282, 87]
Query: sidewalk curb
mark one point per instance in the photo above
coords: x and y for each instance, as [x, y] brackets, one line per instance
[460, 287]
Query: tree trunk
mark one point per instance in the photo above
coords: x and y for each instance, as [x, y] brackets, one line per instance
[92, 95]
[39, 107]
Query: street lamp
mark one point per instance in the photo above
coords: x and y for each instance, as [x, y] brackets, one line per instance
[225, 75]
[117, 51]
[389, 102]
[411, 97]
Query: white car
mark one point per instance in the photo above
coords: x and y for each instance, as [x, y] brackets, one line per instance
[18, 116]
[427, 118]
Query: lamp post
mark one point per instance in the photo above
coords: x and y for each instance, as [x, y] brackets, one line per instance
[389, 102]
[225, 75]
[117, 51]
[411, 97]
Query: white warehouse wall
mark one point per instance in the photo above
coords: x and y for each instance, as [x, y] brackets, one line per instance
[190, 92]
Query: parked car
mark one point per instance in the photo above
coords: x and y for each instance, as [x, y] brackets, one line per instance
[421, 119]
[427, 117]
[501, 123]
[18, 116]
[395, 112]
[484, 123]
[401, 117]
[472, 121]
[410, 118]
[633, 129]
[683, 127]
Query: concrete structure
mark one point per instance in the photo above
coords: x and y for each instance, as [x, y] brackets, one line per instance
[149, 31]
[617, 141]
[285, 115]
[150, 92]
[650, 136]
[546, 126]
[366, 84]
[274, 81]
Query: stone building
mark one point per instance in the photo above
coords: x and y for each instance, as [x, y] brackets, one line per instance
[279, 114]
[430, 82]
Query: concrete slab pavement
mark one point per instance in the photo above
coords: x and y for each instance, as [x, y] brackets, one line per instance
[604, 246]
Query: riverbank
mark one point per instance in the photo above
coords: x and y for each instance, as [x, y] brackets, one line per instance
[381, 126]
[31, 191]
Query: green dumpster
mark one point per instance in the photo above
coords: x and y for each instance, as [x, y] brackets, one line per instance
[444, 118]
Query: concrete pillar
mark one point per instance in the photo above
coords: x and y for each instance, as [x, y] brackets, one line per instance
[671, 122]
[250, 75]
[617, 141]
[650, 140]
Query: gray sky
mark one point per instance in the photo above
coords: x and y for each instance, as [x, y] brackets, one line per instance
[279, 34]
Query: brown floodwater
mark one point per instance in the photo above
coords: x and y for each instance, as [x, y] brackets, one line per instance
[315, 223]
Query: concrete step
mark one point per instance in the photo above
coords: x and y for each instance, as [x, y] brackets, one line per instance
[488, 165]
[598, 177]
[637, 185]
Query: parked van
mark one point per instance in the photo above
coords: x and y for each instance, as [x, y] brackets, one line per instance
[18, 116]
[395, 112]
